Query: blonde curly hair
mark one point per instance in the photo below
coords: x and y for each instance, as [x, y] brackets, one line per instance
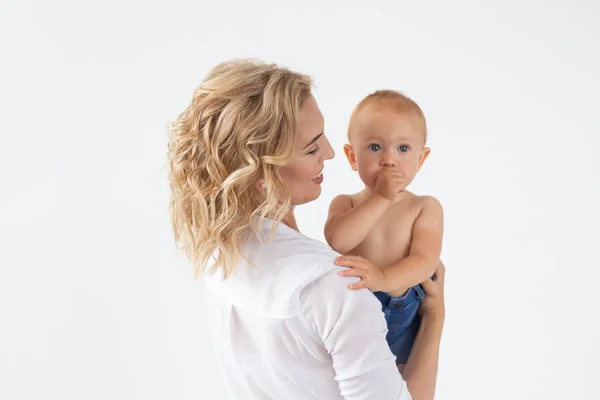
[241, 126]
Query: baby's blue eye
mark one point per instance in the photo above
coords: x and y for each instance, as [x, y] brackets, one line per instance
[403, 148]
[374, 147]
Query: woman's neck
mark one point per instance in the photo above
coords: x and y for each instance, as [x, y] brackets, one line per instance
[290, 220]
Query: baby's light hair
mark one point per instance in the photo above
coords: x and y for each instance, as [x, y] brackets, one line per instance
[393, 101]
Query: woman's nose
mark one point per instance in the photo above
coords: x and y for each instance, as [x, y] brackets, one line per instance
[329, 153]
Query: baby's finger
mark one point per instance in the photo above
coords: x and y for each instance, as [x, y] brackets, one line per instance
[358, 285]
[349, 261]
[354, 272]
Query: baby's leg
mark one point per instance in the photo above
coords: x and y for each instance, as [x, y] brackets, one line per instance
[403, 323]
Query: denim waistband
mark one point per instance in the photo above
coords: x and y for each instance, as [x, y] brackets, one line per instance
[414, 293]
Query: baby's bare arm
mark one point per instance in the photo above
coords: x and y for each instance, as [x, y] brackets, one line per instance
[347, 226]
[425, 249]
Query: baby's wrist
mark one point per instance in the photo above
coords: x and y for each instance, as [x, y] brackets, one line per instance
[385, 287]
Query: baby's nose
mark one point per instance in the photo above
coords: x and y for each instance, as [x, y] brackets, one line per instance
[388, 161]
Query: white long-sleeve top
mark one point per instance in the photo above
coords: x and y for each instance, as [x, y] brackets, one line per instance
[288, 327]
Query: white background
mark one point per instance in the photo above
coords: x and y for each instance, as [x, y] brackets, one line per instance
[95, 303]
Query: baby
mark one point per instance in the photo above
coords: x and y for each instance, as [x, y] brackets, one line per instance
[389, 237]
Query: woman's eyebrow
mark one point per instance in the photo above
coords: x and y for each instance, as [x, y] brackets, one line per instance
[313, 140]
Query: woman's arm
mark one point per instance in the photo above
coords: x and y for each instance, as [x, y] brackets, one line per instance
[422, 366]
[352, 328]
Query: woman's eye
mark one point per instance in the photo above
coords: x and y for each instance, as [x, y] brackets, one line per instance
[403, 148]
[374, 147]
[315, 151]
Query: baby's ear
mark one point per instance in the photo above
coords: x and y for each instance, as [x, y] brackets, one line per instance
[424, 154]
[349, 152]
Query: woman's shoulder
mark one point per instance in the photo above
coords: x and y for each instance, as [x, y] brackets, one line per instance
[304, 258]
[270, 278]
[289, 248]
[316, 277]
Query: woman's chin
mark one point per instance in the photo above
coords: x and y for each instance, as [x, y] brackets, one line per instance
[307, 198]
[317, 193]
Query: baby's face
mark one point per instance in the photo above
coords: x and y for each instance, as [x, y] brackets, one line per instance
[381, 138]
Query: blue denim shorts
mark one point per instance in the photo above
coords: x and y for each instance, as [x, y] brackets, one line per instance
[403, 321]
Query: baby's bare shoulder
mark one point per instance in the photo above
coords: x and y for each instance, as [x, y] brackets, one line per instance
[427, 201]
[342, 201]
[355, 199]
[414, 204]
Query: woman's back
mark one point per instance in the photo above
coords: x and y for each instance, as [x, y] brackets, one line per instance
[287, 326]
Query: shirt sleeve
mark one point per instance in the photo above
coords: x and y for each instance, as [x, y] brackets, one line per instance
[352, 327]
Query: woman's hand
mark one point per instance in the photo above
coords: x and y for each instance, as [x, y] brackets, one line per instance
[433, 303]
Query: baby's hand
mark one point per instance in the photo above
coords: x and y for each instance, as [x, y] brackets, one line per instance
[372, 277]
[389, 183]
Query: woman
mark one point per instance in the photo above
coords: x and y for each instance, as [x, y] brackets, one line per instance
[248, 149]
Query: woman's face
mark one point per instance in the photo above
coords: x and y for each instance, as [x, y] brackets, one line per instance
[303, 174]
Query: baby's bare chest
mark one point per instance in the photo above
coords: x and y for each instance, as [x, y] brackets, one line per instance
[389, 240]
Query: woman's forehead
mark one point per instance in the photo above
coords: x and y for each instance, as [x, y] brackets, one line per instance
[310, 122]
